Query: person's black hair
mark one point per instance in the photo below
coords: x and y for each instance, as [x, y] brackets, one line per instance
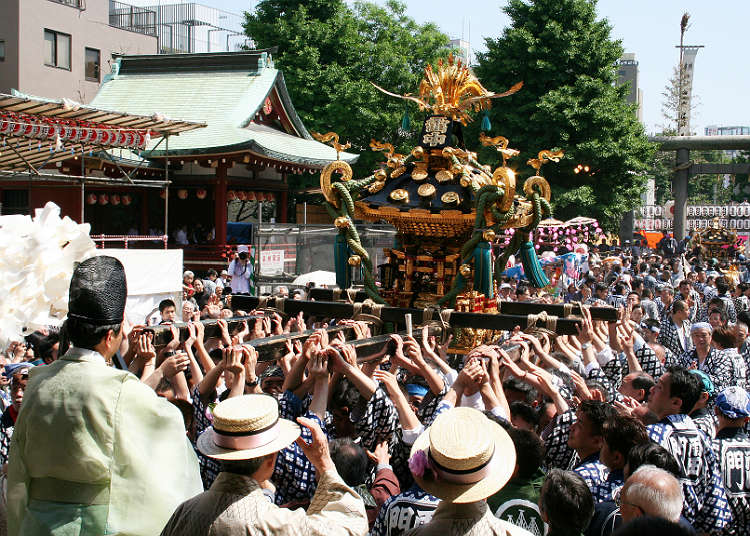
[44, 348]
[525, 411]
[744, 317]
[166, 303]
[716, 302]
[722, 285]
[211, 272]
[350, 459]
[623, 432]
[597, 412]
[644, 381]
[725, 337]
[652, 526]
[567, 502]
[652, 454]
[633, 293]
[652, 323]
[84, 335]
[529, 451]
[599, 287]
[522, 289]
[243, 467]
[515, 384]
[647, 294]
[685, 386]
[619, 288]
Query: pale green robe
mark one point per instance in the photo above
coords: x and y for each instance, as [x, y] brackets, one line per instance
[95, 451]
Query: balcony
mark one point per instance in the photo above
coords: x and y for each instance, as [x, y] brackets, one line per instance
[131, 18]
[78, 4]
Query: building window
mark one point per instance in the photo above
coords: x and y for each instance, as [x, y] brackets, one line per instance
[56, 49]
[2, 50]
[14, 202]
[93, 58]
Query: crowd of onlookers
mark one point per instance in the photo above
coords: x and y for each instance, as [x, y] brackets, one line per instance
[634, 425]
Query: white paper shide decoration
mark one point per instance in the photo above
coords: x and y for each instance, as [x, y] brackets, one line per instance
[37, 259]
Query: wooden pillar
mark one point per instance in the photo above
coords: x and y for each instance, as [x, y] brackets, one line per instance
[284, 201]
[220, 204]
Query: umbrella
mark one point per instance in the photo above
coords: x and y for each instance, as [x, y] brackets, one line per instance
[319, 277]
[551, 222]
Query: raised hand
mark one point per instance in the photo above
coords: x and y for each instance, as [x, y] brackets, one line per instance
[175, 364]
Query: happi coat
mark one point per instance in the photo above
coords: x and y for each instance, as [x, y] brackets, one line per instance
[94, 452]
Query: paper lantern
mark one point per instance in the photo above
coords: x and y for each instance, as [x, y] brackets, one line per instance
[163, 194]
[126, 200]
[182, 194]
[242, 196]
[91, 199]
[231, 196]
[115, 200]
[201, 193]
[271, 197]
[103, 199]
[251, 196]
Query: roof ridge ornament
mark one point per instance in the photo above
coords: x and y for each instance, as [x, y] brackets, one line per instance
[453, 90]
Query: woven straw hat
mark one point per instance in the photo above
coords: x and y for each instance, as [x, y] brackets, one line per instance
[470, 457]
[247, 427]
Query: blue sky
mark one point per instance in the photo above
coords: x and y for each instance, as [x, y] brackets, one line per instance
[649, 28]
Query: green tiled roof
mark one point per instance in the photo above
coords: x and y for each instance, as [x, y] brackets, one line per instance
[226, 99]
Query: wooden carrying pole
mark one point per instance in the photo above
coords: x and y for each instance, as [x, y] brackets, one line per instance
[273, 347]
[504, 307]
[497, 322]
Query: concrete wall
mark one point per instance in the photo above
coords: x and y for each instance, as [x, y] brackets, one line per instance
[9, 34]
[88, 28]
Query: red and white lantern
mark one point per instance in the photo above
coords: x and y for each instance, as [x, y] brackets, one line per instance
[91, 199]
[182, 194]
[115, 200]
[126, 200]
[103, 199]
[200, 194]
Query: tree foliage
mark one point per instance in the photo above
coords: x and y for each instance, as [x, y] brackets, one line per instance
[570, 100]
[330, 53]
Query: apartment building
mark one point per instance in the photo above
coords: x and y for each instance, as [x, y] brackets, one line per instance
[63, 48]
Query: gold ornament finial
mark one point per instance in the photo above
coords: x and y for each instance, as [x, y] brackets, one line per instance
[325, 138]
[500, 143]
[452, 90]
[543, 157]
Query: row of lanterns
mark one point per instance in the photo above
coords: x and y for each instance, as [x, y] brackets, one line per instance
[658, 224]
[697, 211]
[182, 194]
[250, 196]
[106, 199]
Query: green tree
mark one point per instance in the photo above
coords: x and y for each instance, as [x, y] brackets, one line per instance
[570, 100]
[330, 53]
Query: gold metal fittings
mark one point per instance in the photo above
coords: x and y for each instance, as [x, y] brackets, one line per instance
[450, 198]
[400, 195]
[426, 190]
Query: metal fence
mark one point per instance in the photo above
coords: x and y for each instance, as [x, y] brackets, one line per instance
[285, 251]
[132, 18]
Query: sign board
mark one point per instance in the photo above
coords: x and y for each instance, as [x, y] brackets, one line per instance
[271, 261]
[153, 275]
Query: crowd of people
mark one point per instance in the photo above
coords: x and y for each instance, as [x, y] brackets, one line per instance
[631, 426]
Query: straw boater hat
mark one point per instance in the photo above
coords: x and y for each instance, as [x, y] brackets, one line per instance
[247, 427]
[463, 457]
